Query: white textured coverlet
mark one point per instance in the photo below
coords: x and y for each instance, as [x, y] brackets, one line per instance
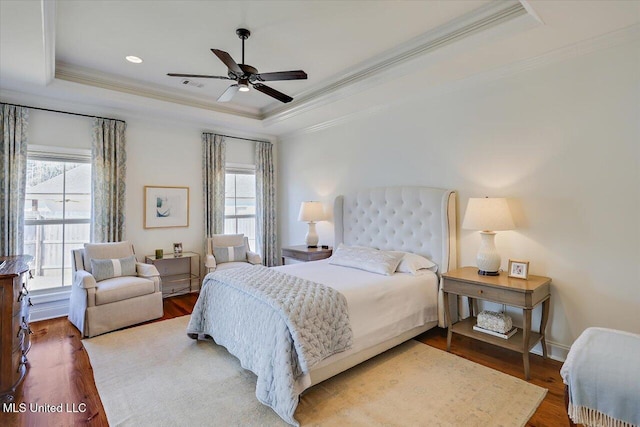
[380, 307]
[277, 325]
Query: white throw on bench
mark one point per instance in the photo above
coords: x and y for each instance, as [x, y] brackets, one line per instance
[602, 377]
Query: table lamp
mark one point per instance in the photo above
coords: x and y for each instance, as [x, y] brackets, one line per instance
[488, 215]
[311, 212]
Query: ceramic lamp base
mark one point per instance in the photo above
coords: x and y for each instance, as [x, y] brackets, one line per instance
[311, 239]
[488, 259]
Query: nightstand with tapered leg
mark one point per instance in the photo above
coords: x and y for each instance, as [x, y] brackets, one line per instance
[523, 293]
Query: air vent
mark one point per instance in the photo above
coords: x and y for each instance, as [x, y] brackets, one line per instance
[191, 83]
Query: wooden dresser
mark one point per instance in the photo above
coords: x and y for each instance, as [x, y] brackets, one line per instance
[14, 323]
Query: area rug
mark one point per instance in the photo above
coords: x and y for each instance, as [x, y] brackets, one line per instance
[154, 375]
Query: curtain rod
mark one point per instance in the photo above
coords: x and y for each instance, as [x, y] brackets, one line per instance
[237, 137]
[65, 112]
[118, 120]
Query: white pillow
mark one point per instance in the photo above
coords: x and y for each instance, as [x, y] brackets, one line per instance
[367, 259]
[415, 264]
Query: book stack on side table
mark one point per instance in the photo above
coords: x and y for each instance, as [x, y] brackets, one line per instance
[505, 336]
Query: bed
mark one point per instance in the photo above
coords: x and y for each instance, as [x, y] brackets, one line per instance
[383, 311]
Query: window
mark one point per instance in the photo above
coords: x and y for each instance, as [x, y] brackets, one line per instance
[240, 203]
[57, 215]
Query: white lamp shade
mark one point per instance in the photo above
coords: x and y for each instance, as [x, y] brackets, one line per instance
[488, 214]
[311, 211]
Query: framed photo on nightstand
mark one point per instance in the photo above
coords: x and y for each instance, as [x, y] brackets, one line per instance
[518, 269]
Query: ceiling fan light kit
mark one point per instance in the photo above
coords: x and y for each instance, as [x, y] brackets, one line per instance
[246, 75]
[243, 85]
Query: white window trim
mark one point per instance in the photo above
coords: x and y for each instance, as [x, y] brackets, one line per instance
[54, 296]
[240, 168]
[81, 155]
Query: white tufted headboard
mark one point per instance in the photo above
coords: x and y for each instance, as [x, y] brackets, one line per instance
[421, 220]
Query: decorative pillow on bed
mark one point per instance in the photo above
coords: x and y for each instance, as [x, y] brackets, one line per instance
[230, 254]
[103, 269]
[415, 264]
[368, 259]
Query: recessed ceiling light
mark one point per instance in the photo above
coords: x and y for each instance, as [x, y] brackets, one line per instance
[133, 59]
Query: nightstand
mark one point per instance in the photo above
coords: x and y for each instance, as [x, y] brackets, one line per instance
[501, 289]
[303, 253]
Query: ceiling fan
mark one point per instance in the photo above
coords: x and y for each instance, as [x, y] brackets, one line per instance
[246, 75]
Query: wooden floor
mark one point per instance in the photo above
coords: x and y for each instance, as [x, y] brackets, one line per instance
[60, 373]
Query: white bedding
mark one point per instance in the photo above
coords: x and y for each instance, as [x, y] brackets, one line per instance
[380, 307]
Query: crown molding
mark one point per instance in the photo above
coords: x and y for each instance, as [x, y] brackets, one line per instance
[204, 122]
[616, 38]
[364, 76]
[95, 78]
[386, 65]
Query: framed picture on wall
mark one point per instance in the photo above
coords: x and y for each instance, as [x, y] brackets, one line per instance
[518, 269]
[166, 207]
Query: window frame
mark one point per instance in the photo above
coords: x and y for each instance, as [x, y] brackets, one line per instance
[65, 155]
[240, 169]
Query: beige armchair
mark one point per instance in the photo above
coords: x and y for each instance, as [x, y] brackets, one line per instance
[229, 259]
[99, 306]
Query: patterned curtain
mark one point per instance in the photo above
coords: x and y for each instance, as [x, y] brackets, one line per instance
[266, 233]
[13, 177]
[213, 170]
[108, 172]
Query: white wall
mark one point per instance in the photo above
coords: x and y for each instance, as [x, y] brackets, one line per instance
[159, 153]
[561, 141]
[163, 154]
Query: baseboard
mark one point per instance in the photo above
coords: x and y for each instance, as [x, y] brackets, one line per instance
[555, 351]
[49, 305]
[49, 310]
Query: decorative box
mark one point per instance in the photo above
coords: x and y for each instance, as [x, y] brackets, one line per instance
[494, 321]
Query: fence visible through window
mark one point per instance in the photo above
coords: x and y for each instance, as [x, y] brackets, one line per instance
[57, 217]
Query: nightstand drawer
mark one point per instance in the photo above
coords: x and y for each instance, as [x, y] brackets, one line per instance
[488, 293]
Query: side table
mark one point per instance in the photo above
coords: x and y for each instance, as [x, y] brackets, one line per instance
[523, 293]
[177, 273]
[303, 253]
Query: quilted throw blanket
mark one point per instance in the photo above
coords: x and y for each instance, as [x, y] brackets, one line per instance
[279, 326]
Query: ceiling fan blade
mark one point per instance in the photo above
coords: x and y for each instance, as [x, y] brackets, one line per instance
[228, 94]
[228, 61]
[282, 75]
[273, 93]
[199, 76]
